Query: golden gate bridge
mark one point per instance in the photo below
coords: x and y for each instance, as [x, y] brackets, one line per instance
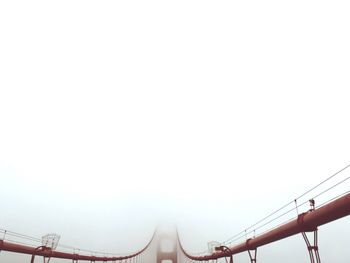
[304, 223]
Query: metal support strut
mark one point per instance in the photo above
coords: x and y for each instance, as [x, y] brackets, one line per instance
[230, 259]
[34, 253]
[252, 255]
[313, 250]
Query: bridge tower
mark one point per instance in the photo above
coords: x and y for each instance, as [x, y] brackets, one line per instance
[166, 248]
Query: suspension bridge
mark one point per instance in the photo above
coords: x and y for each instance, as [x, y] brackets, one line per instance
[305, 222]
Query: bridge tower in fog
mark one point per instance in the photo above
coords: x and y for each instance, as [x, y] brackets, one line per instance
[166, 248]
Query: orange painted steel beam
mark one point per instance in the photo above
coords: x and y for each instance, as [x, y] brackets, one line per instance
[305, 222]
[17, 248]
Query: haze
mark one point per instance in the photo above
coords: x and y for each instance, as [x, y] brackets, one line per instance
[118, 115]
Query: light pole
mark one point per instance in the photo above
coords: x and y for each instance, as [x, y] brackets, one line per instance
[225, 249]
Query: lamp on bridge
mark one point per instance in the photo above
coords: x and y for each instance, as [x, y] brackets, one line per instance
[225, 249]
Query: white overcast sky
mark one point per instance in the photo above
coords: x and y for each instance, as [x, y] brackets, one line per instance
[117, 114]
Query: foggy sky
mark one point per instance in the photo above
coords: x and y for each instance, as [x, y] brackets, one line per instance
[115, 116]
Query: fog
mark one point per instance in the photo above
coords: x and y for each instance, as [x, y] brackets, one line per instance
[116, 116]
